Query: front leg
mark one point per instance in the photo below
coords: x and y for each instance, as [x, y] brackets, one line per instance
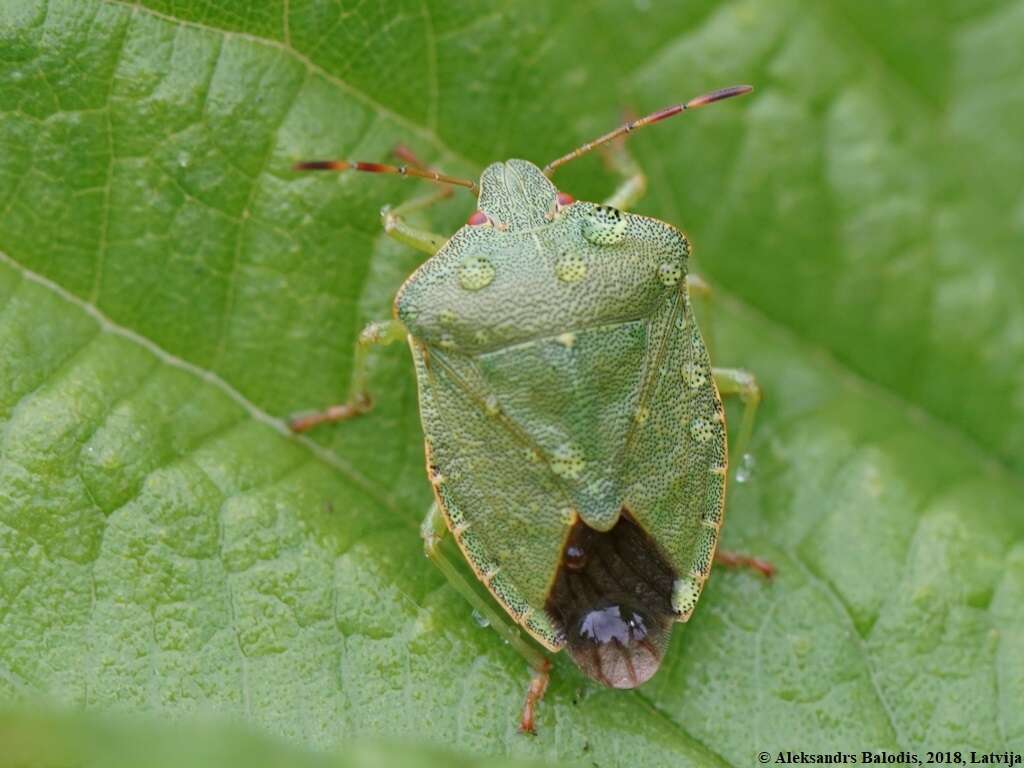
[634, 180]
[421, 239]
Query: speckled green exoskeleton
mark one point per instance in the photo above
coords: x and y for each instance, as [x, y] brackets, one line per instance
[574, 430]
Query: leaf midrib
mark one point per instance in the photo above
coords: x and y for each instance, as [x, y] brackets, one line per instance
[106, 325]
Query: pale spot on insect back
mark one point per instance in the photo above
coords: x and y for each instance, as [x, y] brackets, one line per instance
[475, 273]
[694, 375]
[531, 455]
[571, 268]
[685, 593]
[702, 429]
[567, 461]
[670, 274]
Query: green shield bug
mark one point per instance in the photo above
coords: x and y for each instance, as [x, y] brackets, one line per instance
[574, 429]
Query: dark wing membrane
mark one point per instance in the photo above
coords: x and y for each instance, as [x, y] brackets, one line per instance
[613, 598]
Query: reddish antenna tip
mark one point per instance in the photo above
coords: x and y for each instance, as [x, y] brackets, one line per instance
[721, 93]
[320, 165]
[654, 117]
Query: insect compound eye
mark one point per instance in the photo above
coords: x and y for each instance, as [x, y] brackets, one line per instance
[564, 199]
[604, 226]
[477, 218]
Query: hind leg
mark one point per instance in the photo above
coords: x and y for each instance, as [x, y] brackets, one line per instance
[433, 530]
[739, 560]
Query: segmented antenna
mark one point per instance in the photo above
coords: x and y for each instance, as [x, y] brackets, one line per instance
[654, 117]
[398, 170]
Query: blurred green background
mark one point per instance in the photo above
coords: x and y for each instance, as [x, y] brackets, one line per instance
[170, 291]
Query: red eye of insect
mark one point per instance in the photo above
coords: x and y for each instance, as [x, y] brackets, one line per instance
[564, 199]
[476, 218]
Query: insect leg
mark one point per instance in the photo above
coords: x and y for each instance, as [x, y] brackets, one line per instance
[392, 217]
[433, 530]
[359, 400]
[538, 685]
[396, 226]
[736, 381]
[634, 181]
[737, 560]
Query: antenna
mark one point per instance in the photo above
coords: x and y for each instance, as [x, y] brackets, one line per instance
[398, 170]
[654, 117]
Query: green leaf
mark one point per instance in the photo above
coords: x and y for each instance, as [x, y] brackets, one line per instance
[171, 291]
[55, 738]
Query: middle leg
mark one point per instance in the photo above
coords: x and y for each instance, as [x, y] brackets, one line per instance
[359, 399]
[741, 383]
